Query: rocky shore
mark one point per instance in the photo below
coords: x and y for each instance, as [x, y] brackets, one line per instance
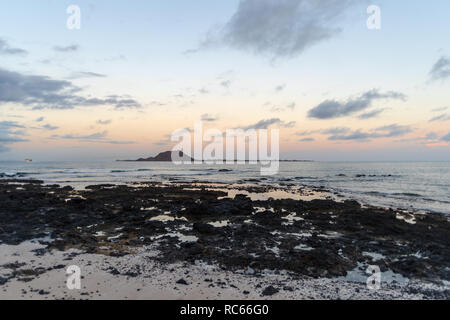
[243, 230]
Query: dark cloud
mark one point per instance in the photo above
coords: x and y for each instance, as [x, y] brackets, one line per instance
[441, 69]
[307, 140]
[71, 48]
[280, 88]
[42, 92]
[442, 117]
[40, 119]
[330, 109]
[10, 132]
[264, 124]
[6, 49]
[390, 131]
[280, 28]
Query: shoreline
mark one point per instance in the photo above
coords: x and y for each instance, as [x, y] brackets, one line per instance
[257, 242]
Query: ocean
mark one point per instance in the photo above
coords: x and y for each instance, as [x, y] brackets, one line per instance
[421, 186]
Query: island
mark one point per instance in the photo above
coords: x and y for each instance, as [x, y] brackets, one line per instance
[166, 156]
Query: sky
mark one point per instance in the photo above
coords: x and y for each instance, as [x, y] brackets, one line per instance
[136, 71]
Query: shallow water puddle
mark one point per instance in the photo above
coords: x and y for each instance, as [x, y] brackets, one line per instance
[290, 219]
[303, 247]
[182, 237]
[375, 256]
[275, 194]
[410, 220]
[220, 224]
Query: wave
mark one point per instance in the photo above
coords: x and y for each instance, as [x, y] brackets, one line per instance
[408, 194]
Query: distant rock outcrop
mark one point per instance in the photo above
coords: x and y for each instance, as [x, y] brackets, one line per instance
[167, 156]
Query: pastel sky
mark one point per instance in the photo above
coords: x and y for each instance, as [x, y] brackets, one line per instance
[138, 70]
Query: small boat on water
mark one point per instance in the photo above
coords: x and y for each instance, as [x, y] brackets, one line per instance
[28, 160]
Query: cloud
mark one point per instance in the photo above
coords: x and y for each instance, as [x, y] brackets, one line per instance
[440, 109]
[162, 143]
[331, 109]
[10, 124]
[104, 122]
[265, 124]
[71, 48]
[371, 114]
[304, 133]
[49, 127]
[275, 108]
[97, 137]
[431, 137]
[307, 140]
[6, 49]
[209, 118]
[441, 69]
[389, 131]
[446, 138]
[93, 136]
[86, 74]
[280, 28]
[442, 117]
[42, 92]
[225, 83]
[40, 119]
[10, 132]
[280, 88]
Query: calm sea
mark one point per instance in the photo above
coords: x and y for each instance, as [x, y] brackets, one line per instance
[412, 185]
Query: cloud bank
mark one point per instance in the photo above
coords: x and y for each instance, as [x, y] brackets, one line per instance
[331, 109]
[42, 92]
[280, 28]
[390, 131]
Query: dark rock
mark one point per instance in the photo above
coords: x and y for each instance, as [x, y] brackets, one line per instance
[204, 228]
[270, 291]
[3, 281]
[182, 281]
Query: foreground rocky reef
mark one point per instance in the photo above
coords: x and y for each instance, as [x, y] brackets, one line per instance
[225, 226]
